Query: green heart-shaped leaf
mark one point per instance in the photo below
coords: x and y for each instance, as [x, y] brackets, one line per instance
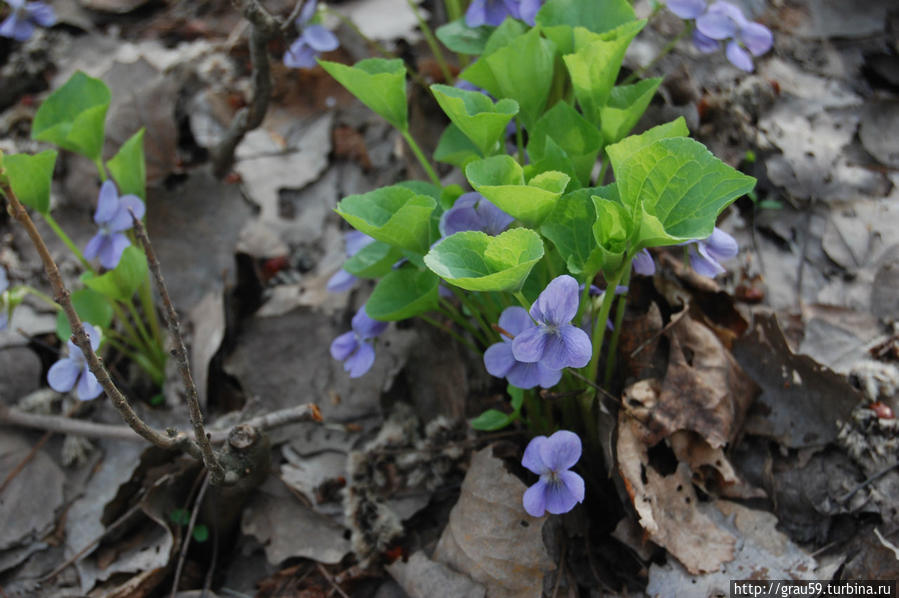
[395, 215]
[621, 151]
[570, 228]
[460, 38]
[378, 83]
[574, 134]
[521, 70]
[73, 116]
[121, 282]
[476, 115]
[455, 148]
[596, 15]
[476, 261]
[402, 294]
[129, 168]
[373, 261]
[501, 180]
[625, 107]
[594, 67]
[30, 178]
[676, 188]
[90, 306]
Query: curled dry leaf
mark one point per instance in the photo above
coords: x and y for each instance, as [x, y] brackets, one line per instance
[704, 389]
[491, 537]
[708, 462]
[667, 505]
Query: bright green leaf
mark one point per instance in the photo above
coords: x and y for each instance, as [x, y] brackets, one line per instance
[30, 178]
[521, 70]
[129, 168]
[91, 307]
[179, 516]
[121, 282]
[596, 15]
[574, 134]
[570, 227]
[625, 107]
[491, 420]
[395, 215]
[402, 294]
[675, 188]
[621, 151]
[73, 116]
[554, 158]
[201, 533]
[378, 83]
[476, 261]
[594, 67]
[476, 115]
[462, 39]
[455, 148]
[373, 260]
[501, 180]
[517, 395]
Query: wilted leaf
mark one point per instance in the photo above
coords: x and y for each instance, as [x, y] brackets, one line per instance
[491, 537]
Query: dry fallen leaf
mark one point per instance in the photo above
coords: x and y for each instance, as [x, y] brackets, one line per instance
[491, 537]
[667, 505]
[421, 577]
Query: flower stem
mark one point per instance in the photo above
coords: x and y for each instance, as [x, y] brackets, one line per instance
[421, 158]
[522, 300]
[40, 295]
[145, 294]
[450, 331]
[519, 140]
[432, 42]
[688, 28]
[68, 242]
[616, 331]
[599, 327]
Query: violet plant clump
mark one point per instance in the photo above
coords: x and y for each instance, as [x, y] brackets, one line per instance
[706, 254]
[20, 23]
[506, 262]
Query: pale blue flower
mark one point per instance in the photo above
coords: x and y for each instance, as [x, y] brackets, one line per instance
[73, 372]
[491, 12]
[706, 254]
[313, 40]
[500, 360]
[558, 489]
[472, 211]
[19, 25]
[354, 348]
[113, 217]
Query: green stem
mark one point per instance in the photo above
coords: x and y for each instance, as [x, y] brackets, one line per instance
[101, 169]
[688, 28]
[145, 294]
[602, 171]
[616, 331]
[475, 313]
[41, 295]
[152, 349]
[449, 331]
[68, 242]
[522, 299]
[432, 43]
[421, 158]
[453, 9]
[452, 313]
[599, 327]
[133, 337]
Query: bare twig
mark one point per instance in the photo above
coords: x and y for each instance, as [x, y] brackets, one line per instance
[63, 297]
[263, 28]
[77, 427]
[188, 533]
[331, 580]
[180, 353]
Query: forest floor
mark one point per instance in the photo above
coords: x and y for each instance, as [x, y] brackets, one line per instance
[753, 437]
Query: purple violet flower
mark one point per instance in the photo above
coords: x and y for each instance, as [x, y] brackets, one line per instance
[686, 9]
[723, 21]
[558, 489]
[113, 217]
[472, 211]
[19, 25]
[705, 254]
[343, 280]
[491, 12]
[643, 263]
[500, 361]
[72, 371]
[528, 10]
[554, 342]
[353, 348]
[313, 40]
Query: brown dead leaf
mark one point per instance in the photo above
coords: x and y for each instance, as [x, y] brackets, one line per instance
[801, 401]
[490, 537]
[349, 144]
[712, 465]
[667, 505]
[704, 389]
[638, 342]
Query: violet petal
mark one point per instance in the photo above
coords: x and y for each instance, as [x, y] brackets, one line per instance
[534, 499]
[739, 57]
[532, 458]
[569, 346]
[361, 361]
[757, 38]
[122, 219]
[320, 39]
[88, 387]
[686, 9]
[63, 374]
[344, 345]
[365, 326]
[341, 281]
[558, 302]
[515, 320]
[498, 360]
[561, 450]
[529, 345]
[107, 203]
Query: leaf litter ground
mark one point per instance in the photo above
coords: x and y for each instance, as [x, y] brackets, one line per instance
[745, 443]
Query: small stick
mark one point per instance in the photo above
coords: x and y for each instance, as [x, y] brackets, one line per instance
[331, 580]
[180, 353]
[187, 534]
[78, 427]
[63, 297]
